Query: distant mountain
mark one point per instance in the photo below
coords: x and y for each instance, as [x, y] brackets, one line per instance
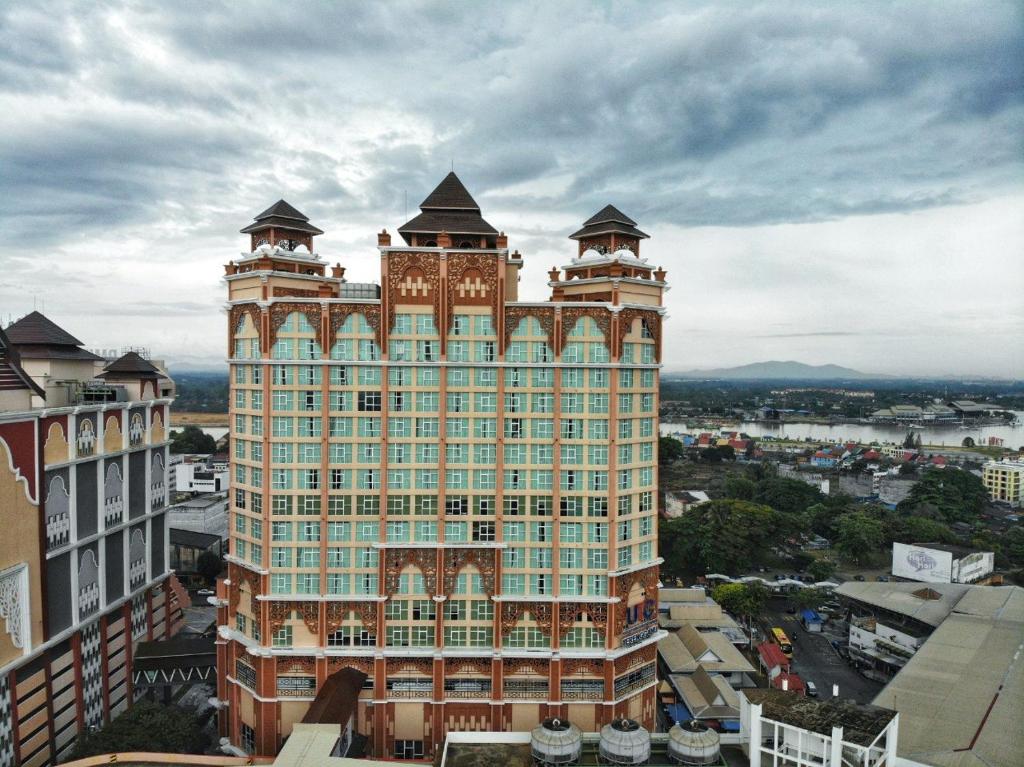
[774, 369]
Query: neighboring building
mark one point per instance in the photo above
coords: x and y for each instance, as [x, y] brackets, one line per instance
[772, 660]
[969, 410]
[186, 548]
[200, 476]
[889, 622]
[440, 485]
[676, 503]
[84, 570]
[811, 620]
[1004, 481]
[960, 696]
[941, 563]
[692, 607]
[202, 514]
[780, 727]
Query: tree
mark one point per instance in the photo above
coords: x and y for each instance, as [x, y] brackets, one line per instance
[745, 600]
[822, 569]
[920, 529]
[209, 565]
[959, 496]
[790, 496]
[669, 449]
[740, 488]
[725, 536]
[908, 441]
[145, 727]
[192, 439]
[969, 442]
[810, 598]
[859, 536]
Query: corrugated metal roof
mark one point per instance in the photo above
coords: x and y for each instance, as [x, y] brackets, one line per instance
[900, 598]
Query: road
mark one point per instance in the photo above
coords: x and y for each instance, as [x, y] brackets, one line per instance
[815, 660]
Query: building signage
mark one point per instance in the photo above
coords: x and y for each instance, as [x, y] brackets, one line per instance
[917, 563]
[296, 686]
[974, 566]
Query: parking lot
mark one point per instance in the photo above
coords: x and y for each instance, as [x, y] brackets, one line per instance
[816, 661]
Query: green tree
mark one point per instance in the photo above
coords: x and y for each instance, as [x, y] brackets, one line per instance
[669, 449]
[915, 529]
[209, 565]
[740, 488]
[145, 727]
[860, 536]
[790, 496]
[810, 598]
[821, 569]
[726, 536]
[969, 442]
[745, 600]
[192, 439]
[959, 496]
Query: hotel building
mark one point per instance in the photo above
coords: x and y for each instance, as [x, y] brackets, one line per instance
[83, 550]
[438, 485]
[1004, 481]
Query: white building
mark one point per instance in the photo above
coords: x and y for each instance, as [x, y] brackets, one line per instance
[201, 477]
[779, 727]
[935, 563]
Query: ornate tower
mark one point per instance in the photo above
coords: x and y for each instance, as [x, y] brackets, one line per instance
[441, 488]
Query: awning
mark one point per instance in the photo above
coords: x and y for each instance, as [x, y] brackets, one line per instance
[678, 712]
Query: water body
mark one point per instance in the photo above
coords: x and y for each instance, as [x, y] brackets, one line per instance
[945, 436]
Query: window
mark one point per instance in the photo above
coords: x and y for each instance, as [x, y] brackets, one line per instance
[282, 637]
[369, 401]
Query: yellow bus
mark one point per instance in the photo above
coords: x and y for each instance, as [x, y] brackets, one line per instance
[782, 641]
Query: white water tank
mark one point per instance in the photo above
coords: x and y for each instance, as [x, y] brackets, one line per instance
[693, 743]
[624, 741]
[556, 741]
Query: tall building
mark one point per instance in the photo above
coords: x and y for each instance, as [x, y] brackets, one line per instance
[1004, 481]
[83, 547]
[438, 485]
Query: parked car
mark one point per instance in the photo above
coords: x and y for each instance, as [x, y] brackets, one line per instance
[882, 578]
[206, 592]
[858, 577]
[812, 689]
[791, 610]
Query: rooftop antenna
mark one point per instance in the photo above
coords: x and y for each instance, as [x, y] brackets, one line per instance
[453, 165]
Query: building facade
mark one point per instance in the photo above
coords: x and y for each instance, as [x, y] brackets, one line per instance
[1004, 481]
[83, 553]
[439, 485]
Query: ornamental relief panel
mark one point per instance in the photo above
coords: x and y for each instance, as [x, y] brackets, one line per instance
[341, 312]
[359, 664]
[467, 665]
[421, 286]
[582, 667]
[650, 318]
[638, 658]
[311, 616]
[569, 613]
[456, 559]
[252, 311]
[396, 560]
[279, 314]
[472, 281]
[337, 612]
[279, 613]
[516, 314]
[512, 612]
[572, 314]
[413, 665]
[304, 666]
[511, 666]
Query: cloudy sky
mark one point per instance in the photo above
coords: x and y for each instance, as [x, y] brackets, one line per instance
[825, 182]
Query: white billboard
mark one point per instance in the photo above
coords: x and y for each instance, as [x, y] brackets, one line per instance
[917, 563]
[973, 567]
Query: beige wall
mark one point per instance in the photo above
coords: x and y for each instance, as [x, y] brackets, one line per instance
[19, 520]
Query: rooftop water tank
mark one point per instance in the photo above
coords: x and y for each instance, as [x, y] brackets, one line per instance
[624, 741]
[693, 743]
[556, 741]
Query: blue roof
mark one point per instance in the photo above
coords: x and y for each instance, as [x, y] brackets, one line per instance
[811, 615]
[678, 712]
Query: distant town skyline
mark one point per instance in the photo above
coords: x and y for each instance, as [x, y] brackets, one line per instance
[827, 184]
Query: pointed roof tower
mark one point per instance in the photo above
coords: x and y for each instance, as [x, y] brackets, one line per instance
[606, 221]
[449, 208]
[133, 365]
[12, 376]
[36, 336]
[283, 225]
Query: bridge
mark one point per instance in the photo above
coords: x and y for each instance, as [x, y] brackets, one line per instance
[182, 660]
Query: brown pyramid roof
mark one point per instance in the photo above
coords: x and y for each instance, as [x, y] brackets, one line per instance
[282, 215]
[130, 364]
[608, 219]
[36, 328]
[12, 376]
[449, 208]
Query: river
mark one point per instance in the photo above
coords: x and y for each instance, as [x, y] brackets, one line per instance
[945, 436]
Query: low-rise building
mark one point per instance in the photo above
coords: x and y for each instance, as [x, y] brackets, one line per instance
[676, 503]
[186, 548]
[198, 474]
[1004, 481]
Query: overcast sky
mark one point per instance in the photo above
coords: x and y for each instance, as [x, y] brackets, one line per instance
[824, 182]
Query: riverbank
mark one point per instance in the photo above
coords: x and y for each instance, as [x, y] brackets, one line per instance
[199, 419]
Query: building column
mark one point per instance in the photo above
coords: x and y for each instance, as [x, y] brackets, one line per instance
[835, 757]
[754, 745]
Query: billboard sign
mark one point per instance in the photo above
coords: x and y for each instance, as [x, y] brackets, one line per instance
[974, 566]
[917, 563]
